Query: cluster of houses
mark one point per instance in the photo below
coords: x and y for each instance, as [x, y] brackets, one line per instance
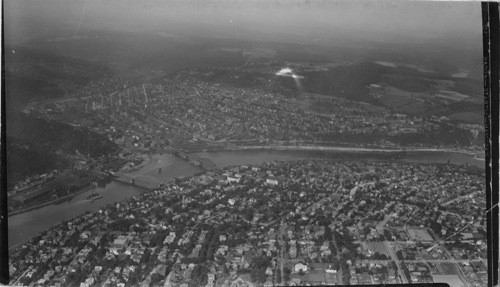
[228, 222]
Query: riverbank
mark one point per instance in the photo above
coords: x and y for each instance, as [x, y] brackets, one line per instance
[332, 147]
[56, 201]
[386, 151]
[24, 226]
[391, 152]
[254, 155]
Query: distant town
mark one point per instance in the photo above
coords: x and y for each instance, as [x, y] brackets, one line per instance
[197, 113]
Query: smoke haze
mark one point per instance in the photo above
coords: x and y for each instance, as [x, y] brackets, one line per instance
[319, 21]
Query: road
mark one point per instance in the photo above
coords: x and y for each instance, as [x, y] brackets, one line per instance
[457, 266]
[282, 253]
[341, 270]
[441, 260]
[384, 222]
[461, 197]
[402, 277]
[19, 278]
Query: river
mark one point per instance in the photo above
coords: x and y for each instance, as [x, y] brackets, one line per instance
[25, 225]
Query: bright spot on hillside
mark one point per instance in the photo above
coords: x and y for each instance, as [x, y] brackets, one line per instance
[285, 72]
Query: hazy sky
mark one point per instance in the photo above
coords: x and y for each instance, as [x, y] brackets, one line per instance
[321, 18]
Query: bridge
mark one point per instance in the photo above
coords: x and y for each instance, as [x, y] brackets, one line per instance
[151, 182]
[145, 181]
[195, 159]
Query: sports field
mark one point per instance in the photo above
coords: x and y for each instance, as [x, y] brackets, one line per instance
[420, 235]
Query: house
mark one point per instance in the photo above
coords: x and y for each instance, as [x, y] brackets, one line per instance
[85, 235]
[170, 238]
[293, 252]
[120, 242]
[239, 282]
[272, 181]
[98, 269]
[239, 249]
[161, 269]
[300, 267]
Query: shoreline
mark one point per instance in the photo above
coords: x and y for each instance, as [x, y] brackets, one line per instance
[333, 150]
[289, 148]
[70, 196]
[43, 205]
[341, 149]
[61, 199]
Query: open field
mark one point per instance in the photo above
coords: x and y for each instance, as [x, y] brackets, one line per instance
[451, 280]
[450, 95]
[468, 117]
[394, 97]
[419, 235]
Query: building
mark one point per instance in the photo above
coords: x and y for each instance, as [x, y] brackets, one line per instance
[300, 267]
[120, 242]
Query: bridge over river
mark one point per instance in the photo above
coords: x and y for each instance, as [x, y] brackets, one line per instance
[144, 181]
[195, 159]
[151, 182]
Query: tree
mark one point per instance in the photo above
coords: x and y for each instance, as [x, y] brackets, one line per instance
[399, 254]
[249, 214]
[287, 272]
[258, 275]
[146, 256]
[366, 230]
[156, 278]
[261, 262]
[328, 233]
[278, 275]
